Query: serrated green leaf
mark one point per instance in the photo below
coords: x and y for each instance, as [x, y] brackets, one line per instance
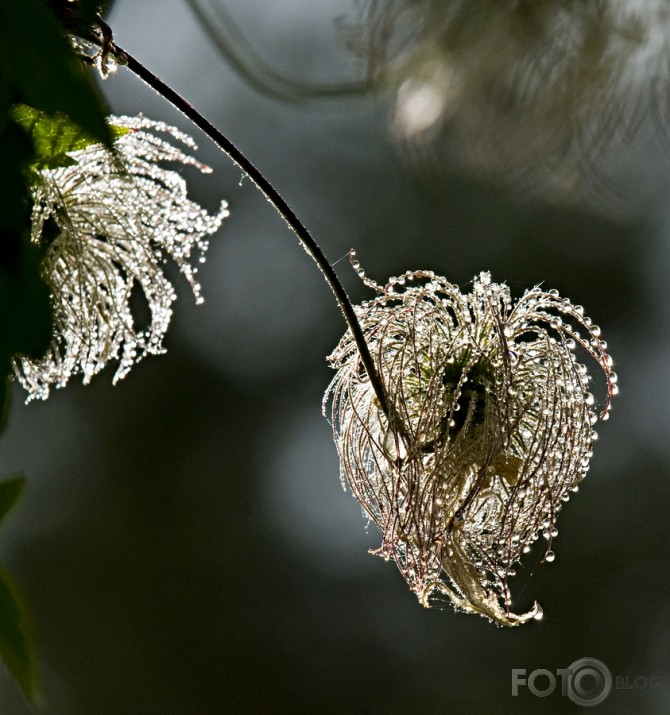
[11, 489]
[52, 137]
[55, 136]
[42, 69]
[17, 647]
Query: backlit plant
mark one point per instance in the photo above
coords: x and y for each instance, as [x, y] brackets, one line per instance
[463, 420]
[490, 430]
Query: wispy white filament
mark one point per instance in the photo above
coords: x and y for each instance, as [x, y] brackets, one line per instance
[109, 223]
[495, 429]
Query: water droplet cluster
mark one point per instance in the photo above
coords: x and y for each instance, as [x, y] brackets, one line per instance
[496, 429]
[119, 216]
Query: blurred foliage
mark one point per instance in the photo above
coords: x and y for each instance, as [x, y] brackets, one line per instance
[38, 68]
[16, 642]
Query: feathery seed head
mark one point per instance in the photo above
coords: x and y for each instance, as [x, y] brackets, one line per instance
[496, 429]
[108, 224]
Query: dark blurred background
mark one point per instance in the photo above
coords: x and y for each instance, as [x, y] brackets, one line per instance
[185, 543]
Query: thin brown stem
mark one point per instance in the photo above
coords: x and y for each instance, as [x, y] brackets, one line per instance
[273, 196]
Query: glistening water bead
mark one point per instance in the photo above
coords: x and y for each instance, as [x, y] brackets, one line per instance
[490, 429]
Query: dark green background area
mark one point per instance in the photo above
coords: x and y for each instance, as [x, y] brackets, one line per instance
[184, 541]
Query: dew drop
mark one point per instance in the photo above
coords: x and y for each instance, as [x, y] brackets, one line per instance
[394, 446]
[550, 556]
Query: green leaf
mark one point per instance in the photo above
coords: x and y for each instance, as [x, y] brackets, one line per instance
[17, 647]
[42, 69]
[10, 491]
[54, 136]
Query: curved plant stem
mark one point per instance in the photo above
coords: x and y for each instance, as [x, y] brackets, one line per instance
[222, 30]
[273, 196]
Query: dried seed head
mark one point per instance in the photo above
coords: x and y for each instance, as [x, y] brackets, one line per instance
[496, 429]
[109, 222]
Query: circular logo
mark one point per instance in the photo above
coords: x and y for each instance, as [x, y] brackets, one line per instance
[590, 682]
